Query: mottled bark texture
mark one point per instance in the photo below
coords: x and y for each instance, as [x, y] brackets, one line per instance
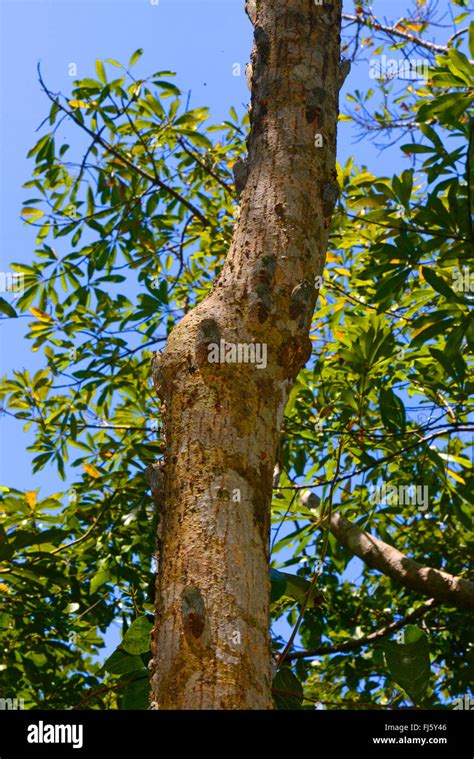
[211, 639]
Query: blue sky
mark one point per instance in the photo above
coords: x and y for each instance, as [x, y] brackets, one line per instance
[200, 40]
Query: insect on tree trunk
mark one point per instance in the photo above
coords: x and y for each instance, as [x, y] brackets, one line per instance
[229, 365]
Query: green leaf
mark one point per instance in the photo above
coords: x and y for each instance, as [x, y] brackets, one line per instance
[297, 588]
[294, 392]
[438, 284]
[167, 87]
[431, 330]
[137, 694]
[278, 584]
[31, 214]
[6, 550]
[392, 410]
[471, 38]
[100, 578]
[24, 538]
[459, 64]
[39, 145]
[120, 662]
[287, 690]
[99, 67]
[197, 138]
[137, 638]
[414, 148]
[137, 54]
[5, 308]
[409, 662]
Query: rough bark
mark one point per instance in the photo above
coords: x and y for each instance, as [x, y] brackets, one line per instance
[441, 586]
[211, 639]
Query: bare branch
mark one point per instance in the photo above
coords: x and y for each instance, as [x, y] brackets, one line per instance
[366, 640]
[441, 586]
[372, 23]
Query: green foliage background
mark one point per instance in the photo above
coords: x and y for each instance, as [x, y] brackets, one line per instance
[131, 233]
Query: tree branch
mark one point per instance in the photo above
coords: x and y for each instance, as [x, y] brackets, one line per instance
[121, 157]
[354, 643]
[441, 586]
[328, 510]
[355, 472]
[196, 157]
[371, 22]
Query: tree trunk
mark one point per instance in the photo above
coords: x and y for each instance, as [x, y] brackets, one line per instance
[211, 640]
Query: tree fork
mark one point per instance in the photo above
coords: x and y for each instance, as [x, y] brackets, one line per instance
[211, 643]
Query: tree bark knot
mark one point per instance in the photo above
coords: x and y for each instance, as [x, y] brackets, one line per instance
[193, 611]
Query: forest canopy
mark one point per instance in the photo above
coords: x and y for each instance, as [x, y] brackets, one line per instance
[134, 220]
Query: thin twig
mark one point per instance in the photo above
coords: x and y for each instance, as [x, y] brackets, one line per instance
[118, 154]
[366, 640]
